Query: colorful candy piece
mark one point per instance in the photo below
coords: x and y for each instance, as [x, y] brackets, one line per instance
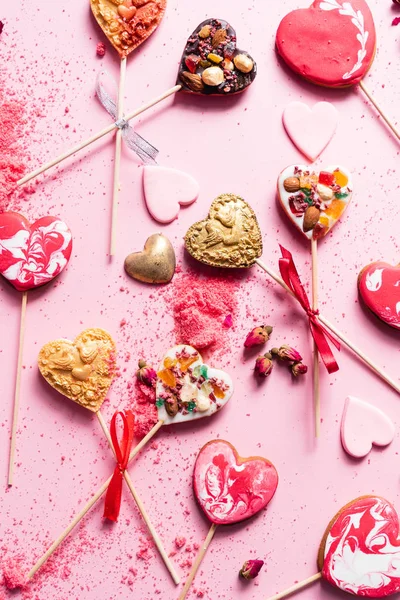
[33, 255]
[228, 488]
[129, 23]
[188, 389]
[230, 236]
[212, 65]
[331, 43]
[379, 287]
[155, 263]
[364, 425]
[360, 551]
[166, 190]
[82, 370]
[310, 129]
[314, 201]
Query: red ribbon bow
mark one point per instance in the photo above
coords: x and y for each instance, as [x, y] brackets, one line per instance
[113, 497]
[321, 335]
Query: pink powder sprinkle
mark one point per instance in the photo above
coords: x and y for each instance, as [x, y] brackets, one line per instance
[180, 541]
[228, 321]
[200, 306]
[396, 21]
[13, 573]
[146, 415]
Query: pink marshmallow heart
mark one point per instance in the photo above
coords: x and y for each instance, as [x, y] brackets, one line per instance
[310, 129]
[166, 190]
[364, 425]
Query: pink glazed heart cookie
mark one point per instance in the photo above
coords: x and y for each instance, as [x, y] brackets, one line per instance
[314, 200]
[229, 488]
[360, 551]
[166, 190]
[379, 287]
[33, 255]
[331, 43]
[364, 425]
[310, 129]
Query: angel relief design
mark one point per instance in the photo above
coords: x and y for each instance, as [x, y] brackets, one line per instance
[230, 237]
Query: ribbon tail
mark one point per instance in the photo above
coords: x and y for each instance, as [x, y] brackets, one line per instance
[145, 151]
[324, 349]
[112, 503]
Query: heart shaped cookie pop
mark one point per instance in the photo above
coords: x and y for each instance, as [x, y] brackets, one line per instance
[211, 63]
[82, 370]
[156, 262]
[187, 389]
[229, 488]
[331, 43]
[314, 200]
[360, 551]
[33, 255]
[230, 236]
[379, 287]
[129, 23]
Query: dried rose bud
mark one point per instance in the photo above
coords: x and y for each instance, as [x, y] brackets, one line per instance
[251, 569]
[287, 353]
[259, 335]
[299, 369]
[101, 49]
[264, 365]
[146, 374]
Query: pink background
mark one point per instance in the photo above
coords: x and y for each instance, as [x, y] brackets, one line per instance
[48, 55]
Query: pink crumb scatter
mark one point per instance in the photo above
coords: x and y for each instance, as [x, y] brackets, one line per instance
[228, 322]
[145, 551]
[1, 26]
[180, 541]
[13, 573]
[101, 49]
[200, 307]
[396, 21]
[143, 399]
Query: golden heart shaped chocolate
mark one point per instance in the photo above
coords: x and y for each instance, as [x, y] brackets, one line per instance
[155, 264]
[230, 236]
[128, 23]
[82, 370]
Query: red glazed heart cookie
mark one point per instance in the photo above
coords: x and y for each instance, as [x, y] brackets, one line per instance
[314, 200]
[129, 23]
[211, 63]
[32, 255]
[379, 287]
[229, 488]
[332, 43]
[360, 551]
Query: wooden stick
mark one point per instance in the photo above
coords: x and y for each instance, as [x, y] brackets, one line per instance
[89, 505]
[297, 587]
[97, 136]
[363, 357]
[117, 155]
[17, 388]
[314, 273]
[379, 109]
[141, 508]
[197, 562]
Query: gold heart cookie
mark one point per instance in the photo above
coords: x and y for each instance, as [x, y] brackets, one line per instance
[230, 236]
[128, 23]
[82, 370]
[155, 264]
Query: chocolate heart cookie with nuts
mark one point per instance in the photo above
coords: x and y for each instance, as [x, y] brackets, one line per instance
[230, 236]
[211, 63]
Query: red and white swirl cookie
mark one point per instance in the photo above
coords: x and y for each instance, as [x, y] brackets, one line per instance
[360, 552]
[229, 488]
[379, 287]
[331, 43]
[33, 255]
